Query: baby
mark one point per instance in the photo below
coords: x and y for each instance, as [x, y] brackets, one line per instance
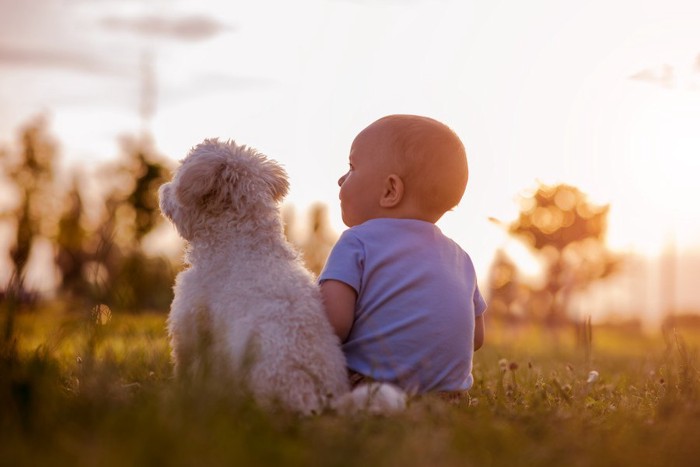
[402, 296]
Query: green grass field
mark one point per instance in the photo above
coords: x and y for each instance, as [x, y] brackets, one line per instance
[75, 392]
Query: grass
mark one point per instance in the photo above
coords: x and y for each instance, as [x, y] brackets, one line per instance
[77, 392]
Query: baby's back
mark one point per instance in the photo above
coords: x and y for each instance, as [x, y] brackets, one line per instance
[417, 299]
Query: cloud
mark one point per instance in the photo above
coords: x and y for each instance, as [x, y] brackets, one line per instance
[45, 34]
[187, 28]
[683, 76]
[663, 76]
[62, 59]
[213, 83]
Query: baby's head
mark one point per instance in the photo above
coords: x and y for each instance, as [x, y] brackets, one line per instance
[403, 166]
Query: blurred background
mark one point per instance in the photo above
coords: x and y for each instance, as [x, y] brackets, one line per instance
[581, 123]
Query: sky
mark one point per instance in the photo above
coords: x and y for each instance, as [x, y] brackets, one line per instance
[603, 94]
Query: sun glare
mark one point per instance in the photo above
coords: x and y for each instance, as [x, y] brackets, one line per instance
[658, 196]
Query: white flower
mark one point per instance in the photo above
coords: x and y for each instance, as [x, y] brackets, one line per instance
[593, 377]
[503, 363]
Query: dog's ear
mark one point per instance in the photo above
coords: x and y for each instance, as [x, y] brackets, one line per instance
[166, 202]
[170, 207]
[203, 177]
[275, 177]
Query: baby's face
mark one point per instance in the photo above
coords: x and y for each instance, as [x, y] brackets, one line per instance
[361, 186]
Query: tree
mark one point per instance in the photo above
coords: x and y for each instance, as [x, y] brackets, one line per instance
[102, 261]
[316, 241]
[131, 278]
[72, 245]
[320, 239]
[134, 197]
[503, 288]
[568, 233]
[31, 170]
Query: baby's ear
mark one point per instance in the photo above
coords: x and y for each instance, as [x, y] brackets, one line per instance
[392, 191]
[204, 177]
[275, 177]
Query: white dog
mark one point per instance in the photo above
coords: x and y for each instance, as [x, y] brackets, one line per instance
[246, 310]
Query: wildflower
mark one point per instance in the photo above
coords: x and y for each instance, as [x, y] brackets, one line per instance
[78, 360]
[503, 363]
[593, 377]
[513, 366]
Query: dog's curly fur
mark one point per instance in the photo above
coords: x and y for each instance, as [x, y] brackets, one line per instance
[246, 309]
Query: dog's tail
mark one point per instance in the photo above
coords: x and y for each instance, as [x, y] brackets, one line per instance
[373, 398]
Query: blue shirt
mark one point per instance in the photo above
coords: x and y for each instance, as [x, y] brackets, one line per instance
[417, 299]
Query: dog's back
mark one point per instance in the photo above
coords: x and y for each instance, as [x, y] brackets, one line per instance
[246, 309]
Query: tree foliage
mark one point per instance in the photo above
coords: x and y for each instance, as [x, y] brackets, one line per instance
[98, 259]
[567, 232]
[146, 170]
[124, 275]
[72, 243]
[504, 288]
[316, 239]
[558, 216]
[320, 239]
[31, 173]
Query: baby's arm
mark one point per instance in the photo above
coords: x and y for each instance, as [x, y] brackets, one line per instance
[339, 301]
[478, 332]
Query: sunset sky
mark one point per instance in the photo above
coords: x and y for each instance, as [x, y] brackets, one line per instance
[604, 94]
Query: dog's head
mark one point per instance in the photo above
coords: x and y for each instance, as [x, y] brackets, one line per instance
[217, 179]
